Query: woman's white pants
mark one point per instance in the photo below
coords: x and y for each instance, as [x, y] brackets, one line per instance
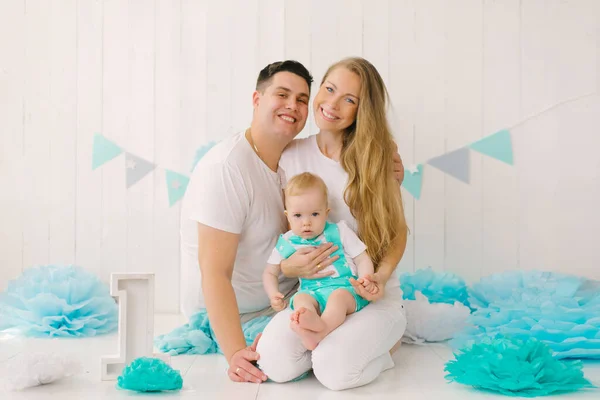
[352, 355]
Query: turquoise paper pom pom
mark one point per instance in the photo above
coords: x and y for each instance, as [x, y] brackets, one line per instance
[58, 301]
[561, 311]
[438, 287]
[516, 368]
[197, 336]
[513, 285]
[149, 375]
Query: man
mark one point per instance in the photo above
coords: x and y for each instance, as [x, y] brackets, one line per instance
[232, 214]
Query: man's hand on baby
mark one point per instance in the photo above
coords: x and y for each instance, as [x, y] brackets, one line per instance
[277, 302]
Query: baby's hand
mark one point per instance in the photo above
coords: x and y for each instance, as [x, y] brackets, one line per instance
[277, 302]
[369, 286]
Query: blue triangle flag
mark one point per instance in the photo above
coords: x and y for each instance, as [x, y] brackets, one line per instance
[137, 168]
[497, 145]
[413, 180]
[455, 163]
[176, 186]
[103, 151]
[201, 152]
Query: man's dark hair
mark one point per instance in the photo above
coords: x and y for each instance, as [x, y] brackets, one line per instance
[266, 75]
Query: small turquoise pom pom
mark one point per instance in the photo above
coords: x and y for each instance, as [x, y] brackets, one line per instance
[149, 375]
[515, 367]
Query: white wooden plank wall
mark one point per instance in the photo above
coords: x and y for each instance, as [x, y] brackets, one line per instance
[161, 78]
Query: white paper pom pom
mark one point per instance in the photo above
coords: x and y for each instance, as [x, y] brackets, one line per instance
[28, 370]
[433, 322]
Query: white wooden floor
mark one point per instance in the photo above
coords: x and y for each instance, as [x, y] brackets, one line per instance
[418, 375]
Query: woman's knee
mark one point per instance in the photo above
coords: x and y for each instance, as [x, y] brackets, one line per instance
[335, 373]
[282, 356]
[341, 365]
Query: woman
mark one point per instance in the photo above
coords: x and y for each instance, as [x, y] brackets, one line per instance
[353, 153]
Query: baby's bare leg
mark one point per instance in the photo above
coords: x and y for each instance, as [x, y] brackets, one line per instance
[307, 313]
[340, 303]
[304, 302]
[305, 320]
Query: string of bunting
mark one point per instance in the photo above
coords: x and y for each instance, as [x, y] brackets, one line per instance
[456, 163]
[105, 150]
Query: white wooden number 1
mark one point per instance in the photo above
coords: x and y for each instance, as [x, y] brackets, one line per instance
[135, 295]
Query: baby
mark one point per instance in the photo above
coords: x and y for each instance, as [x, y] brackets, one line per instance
[322, 304]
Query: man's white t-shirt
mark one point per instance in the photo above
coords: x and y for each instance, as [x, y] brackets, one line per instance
[232, 190]
[304, 155]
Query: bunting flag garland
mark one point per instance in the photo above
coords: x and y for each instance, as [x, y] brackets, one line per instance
[137, 168]
[176, 186]
[104, 151]
[455, 163]
[413, 180]
[201, 152]
[497, 146]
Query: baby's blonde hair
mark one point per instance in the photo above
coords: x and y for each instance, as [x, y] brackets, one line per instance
[304, 181]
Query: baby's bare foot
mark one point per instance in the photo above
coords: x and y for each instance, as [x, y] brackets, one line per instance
[311, 321]
[309, 339]
[295, 316]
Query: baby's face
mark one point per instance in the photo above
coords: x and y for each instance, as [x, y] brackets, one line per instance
[307, 213]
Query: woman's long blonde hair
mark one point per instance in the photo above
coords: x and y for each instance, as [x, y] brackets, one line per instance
[372, 193]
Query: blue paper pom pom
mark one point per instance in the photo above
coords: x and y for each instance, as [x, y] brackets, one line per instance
[149, 375]
[438, 287]
[516, 368]
[505, 286]
[197, 336]
[58, 301]
[560, 310]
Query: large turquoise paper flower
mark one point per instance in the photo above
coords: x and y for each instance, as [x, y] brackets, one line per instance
[516, 368]
[149, 375]
[560, 310]
[58, 301]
